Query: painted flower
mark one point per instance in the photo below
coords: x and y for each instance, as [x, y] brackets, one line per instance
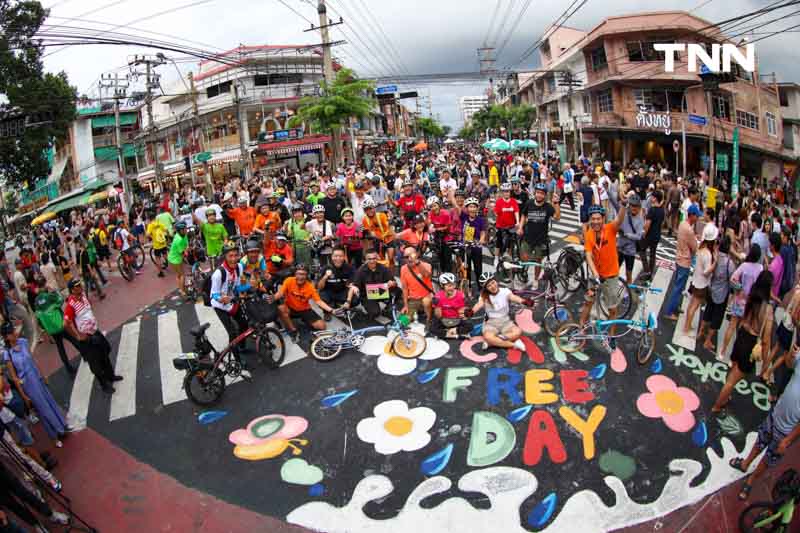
[269, 427]
[396, 428]
[392, 365]
[669, 402]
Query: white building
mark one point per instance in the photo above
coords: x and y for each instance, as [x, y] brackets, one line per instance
[469, 105]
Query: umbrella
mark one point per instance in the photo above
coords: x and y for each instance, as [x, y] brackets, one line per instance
[516, 144]
[487, 145]
[96, 197]
[500, 145]
[419, 147]
[44, 217]
[529, 143]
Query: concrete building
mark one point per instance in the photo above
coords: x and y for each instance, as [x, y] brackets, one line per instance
[789, 96]
[469, 105]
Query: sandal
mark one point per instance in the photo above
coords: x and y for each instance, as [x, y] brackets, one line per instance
[736, 463]
[745, 492]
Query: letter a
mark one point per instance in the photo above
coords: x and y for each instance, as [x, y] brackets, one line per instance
[542, 433]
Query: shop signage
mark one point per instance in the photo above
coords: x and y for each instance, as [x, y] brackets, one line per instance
[722, 162]
[280, 135]
[646, 119]
[386, 89]
[202, 157]
[735, 174]
[697, 119]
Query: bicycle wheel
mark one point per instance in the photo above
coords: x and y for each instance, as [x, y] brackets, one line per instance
[754, 516]
[624, 297]
[204, 387]
[160, 262]
[645, 346]
[409, 345]
[322, 349]
[137, 252]
[565, 337]
[124, 268]
[270, 347]
[555, 317]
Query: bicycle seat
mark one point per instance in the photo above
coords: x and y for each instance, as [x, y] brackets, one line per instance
[200, 329]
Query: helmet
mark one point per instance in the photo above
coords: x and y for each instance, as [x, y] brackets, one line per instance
[301, 266]
[242, 199]
[446, 278]
[180, 225]
[634, 200]
[280, 235]
[275, 194]
[347, 210]
[514, 179]
[211, 211]
[253, 246]
[433, 200]
[408, 183]
[461, 193]
[505, 187]
[376, 180]
[229, 246]
[540, 187]
[281, 192]
[318, 209]
[184, 209]
[485, 278]
[368, 203]
[471, 201]
[419, 219]
[297, 206]
[596, 209]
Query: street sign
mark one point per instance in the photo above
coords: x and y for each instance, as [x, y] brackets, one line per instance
[735, 174]
[704, 69]
[202, 157]
[697, 119]
[410, 94]
[386, 89]
[676, 145]
[722, 162]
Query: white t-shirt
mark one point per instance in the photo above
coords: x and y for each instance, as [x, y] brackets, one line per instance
[447, 185]
[499, 307]
[699, 279]
[605, 183]
[124, 235]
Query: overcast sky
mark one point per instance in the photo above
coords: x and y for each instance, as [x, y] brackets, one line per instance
[430, 36]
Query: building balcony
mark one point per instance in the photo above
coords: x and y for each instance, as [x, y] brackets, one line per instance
[222, 143]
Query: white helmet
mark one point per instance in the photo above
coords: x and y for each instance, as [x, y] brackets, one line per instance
[433, 200]
[446, 278]
[407, 182]
[368, 203]
[319, 208]
[471, 201]
[485, 278]
[505, 187]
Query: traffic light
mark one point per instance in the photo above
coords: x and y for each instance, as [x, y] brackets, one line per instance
[187, 163]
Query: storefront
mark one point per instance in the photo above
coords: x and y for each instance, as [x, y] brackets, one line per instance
[291, 154]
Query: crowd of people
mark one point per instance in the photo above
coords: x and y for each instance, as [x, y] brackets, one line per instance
[387, 236]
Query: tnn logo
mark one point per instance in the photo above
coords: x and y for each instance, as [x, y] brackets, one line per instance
[698, 51]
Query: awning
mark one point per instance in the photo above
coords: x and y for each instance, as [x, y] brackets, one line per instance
[226, 156]
[69, 203]
[125, 119]
[109, 153]
[295, 148]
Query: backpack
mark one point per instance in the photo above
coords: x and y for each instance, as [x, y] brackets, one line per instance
[118, 240]
[96, 239]
[207, 282]
[48, 312]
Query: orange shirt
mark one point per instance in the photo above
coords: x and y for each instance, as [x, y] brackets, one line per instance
[272, 249]
[297, 297]
[270, 223]
[379, 226]
[245, 218]
[414, 288]
[603, 253]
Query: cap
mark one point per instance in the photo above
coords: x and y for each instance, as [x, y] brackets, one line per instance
[710, 232]
[73, 283]
[693, 210]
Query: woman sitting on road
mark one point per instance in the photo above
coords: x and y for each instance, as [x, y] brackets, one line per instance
[499, 329]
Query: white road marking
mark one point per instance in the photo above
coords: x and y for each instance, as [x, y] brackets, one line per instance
[80, 397]
[123, 402]
[169, 347]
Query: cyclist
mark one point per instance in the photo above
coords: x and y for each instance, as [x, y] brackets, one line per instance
[600, 244]
[474, 234]
[321, 230]
[276, 204]
[410, 203]
[254, 267]
[507, 211]
[448, 308]
[380, 195]
[333, 204]
[416, 235]
[279, 255]
[226, 283]
[349, 234]
[166, 219]
[334, 285]
[536, 226]
[499, 329]
[185, 215]
[214, 233]
[377, 225]
[180, 242]
[295, 230]
[415, 277]
[457, 202]
[126, 239]
[297, 293]
[517, 192]
[374, 283]
[158, 234]
[267, 222]
[244, 216]
[439, 220]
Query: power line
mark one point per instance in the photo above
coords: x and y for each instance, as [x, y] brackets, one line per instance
[503, 22]
[296, 12]
[491, 23]
[514, 27]
[387, 41]
[343, 10]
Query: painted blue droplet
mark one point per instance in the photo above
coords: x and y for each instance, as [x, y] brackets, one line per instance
[477, 330]
[542, 513]
[433, 464]
[335, 399]
[518, 414]
[316, 490]
[208, 417]
[599, 371]
[428, 376]
[700, 434]
[561, 314]
[656, 366]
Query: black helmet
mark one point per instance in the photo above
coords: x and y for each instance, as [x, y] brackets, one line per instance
[253, 246]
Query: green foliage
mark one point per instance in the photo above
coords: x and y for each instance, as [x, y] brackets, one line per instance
[515, 119]
[30, 91]
[339, 101]
[430, 128]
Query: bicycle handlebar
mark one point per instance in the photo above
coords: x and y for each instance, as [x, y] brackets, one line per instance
[523, 264]
[642, 288]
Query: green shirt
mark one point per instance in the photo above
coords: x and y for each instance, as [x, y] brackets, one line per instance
[166, 220]
[179, 245]
[314, 199]
[214, 234]
[90, 249]
[297, 232]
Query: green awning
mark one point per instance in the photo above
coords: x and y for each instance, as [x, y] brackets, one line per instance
[105, 153]
[125, 119]
[131, 150]
[69, 203]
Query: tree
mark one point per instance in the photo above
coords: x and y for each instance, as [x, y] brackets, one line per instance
[339, 101]
[446, 130]
[430, 128]
[46, 100]
[514, 118]
[466, 132]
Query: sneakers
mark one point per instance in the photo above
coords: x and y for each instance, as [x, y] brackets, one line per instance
[161, 274]
[107, 388]
[33, 419]
[295, 336]
[59, 518]
[519, 345]
[117, 378]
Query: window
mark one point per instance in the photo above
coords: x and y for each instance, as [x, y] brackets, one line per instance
[676, 101]
[587, 103]
[605, 101]
[551, 84]
[739, 72]
[659, 100]
[747, 120]
[784, 97]
[772, 125]
[721, 106]
[643, 97]
[216, 90]
[598, 58]
[644, 50]
[261, 80]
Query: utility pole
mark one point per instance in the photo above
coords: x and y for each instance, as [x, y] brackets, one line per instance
[243, 150]
[151, 81]
[327, 61]
[196, 113]
[568, 80]
[711, 148]
[118, 89]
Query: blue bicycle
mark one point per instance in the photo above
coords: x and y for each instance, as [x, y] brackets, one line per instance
[329, 344]
[572, 337]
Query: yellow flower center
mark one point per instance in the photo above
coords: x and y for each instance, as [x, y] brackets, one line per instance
[670, 402]
[398, 425]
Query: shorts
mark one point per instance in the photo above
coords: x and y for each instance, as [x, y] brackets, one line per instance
[19, 428]
[609, 292]
[160, 252]
[784, 337]
[700, 293]
[628, 259]
[415, 306]
[534, 252]
[769, 438]
[103, 252]
[742, 350]
[737, 309]
[714, 314]
[138, 229]
[308, 316]
[499, 326]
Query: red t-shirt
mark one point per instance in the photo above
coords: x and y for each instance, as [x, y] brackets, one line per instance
[442, 219]
[414, 203]
[505, 209]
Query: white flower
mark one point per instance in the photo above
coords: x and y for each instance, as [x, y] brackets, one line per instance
[396, 428]
[392, 365]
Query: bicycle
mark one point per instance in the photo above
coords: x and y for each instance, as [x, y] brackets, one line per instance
[195, 257]
[511, 255]
[572, 337]
[206, 368]
[126, 264]
[775, 516]
[330, 343]
[574, 273]
[556, 314]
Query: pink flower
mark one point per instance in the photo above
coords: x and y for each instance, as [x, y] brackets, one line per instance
[668, 401]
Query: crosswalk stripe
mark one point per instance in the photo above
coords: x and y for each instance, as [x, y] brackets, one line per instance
[80, 397]
[678, 337]
[564, 227]
[169, 347]
[123, 402]
[558, 234]
[216, 334]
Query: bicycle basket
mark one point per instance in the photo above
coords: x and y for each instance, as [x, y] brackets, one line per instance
[260, 312]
